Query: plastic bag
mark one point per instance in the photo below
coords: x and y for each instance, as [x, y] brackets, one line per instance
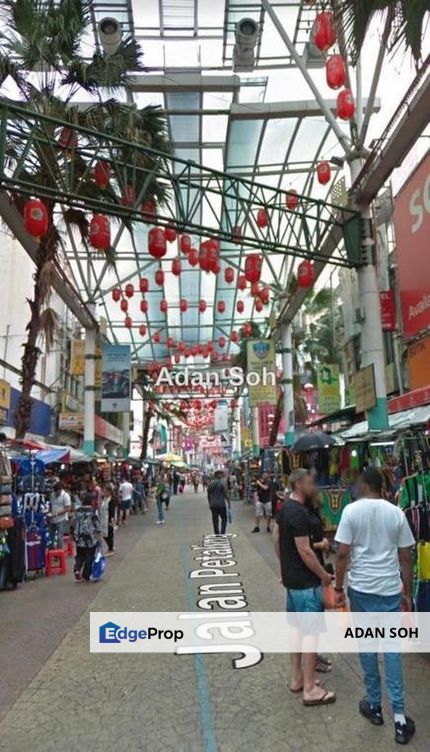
[99, 565]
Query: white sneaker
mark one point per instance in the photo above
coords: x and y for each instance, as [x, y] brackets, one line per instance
[159, 522]
[162, 522]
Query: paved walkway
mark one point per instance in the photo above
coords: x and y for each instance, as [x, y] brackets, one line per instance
[57, 697]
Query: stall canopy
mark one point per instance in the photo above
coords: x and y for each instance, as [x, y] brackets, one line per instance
[418, 416]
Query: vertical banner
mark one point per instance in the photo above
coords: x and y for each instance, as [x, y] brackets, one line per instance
[77, 358]
[388, 310]
[328, 388]
[261, 372]
[116, 378]
[221, 417]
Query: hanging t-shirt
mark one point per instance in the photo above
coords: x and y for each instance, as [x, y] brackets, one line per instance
[375, 530]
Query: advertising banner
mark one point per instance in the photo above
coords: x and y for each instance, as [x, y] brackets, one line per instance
[261, 372]
[412, 226]
[364, 389]
[419, 363]
[221, 417]
[388, 310]
[77, 361]
[4, 394]
[328, 388]
[71, 422]
[116, 379]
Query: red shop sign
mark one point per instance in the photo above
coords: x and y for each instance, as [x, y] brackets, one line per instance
[388, 310]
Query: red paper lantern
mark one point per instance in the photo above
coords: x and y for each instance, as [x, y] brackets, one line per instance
[129, 290]
[202, 306]
[144, 306]
[68, 139]
[210, 346]
[116, 294]
[291, 199]
[323, 172]
[176, 266]
[221, 342]
[221, 306]
[177, 358]
[128, 322]
[237, 235]
[305, 274]
[262, 218]
[164, 306]
[185, 243]
[142, 330]
[234, 336]
[241, 282]
[255, 289]
[335, 71]
[253, 264]
[143, 285]
[197, 403]
[182, 347]
[170, 342]
[36, 217]
[193, 257]
[102, 173]
[124, 305]
[157, 246]
[159, 277]
[345, 105]
[258, 305]
[149, 211]
[183, 305]
[324, 31]
[205, 259]
[229, 275]
[170, 232]
[247, 329]
[240, 306]
[128, 196]
[194, 350]
[156, 337]
[264, 295]
[99, 232]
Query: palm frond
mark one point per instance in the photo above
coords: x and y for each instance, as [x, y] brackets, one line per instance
[48, 325]
[77, 218]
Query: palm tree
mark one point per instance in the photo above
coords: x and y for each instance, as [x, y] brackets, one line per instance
[40, 54]
[406, 21]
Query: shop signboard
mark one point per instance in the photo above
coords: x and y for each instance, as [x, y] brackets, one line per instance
[77, 361]
[221, 417]
[328, 388]
[364, 389]
[388, 310]
[261, 372]
[4, 394]
[116, 379]
[419, 363]
[412, 226]
[71, 422]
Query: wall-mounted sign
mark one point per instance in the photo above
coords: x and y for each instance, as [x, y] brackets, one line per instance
[419, 363]
[71, 422]
[4, 394]
[328, 388]
[116, 386]
[364, 389]
[388, 310]
[261, 372]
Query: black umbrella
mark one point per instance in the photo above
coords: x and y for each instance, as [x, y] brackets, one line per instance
[310, 441]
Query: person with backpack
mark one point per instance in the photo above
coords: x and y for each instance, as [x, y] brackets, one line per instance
[219, 500]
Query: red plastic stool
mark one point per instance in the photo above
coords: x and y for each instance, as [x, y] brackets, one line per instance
[68, 545]
[56, 562]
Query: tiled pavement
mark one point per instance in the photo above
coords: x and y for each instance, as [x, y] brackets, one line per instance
[56, 696]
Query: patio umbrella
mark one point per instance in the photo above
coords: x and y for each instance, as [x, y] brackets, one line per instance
[172, 459]
[311, 441]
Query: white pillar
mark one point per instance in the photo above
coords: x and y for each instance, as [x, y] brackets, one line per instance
[125, 434]
[372, 341]
[236, 433]
[255, 431]
[287, 383]
[90, 391]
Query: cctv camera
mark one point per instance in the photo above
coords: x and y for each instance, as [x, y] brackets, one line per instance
[110, 35]
[246, 33]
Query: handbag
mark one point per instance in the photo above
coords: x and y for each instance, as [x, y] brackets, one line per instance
[99, 565]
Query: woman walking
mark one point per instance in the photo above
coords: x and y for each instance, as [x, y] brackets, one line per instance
[107, 517]
[87, 534]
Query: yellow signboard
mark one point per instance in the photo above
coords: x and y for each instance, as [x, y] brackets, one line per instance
[328, 388]
[71, 422]
[77, 365]
[261, 372]
[4, 395]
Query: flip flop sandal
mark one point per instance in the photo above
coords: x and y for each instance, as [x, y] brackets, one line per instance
[322, 667]
[327, 699]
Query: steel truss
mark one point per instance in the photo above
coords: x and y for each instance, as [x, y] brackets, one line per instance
[194, 191]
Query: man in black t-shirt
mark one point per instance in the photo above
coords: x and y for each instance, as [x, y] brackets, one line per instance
[219, 499]
[263, 505]
[302, 576]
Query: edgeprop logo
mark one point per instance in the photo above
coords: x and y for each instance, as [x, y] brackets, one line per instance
[111, 633]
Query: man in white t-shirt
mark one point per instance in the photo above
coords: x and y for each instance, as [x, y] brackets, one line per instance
[374, 536]
[126, 497]
[60, 506]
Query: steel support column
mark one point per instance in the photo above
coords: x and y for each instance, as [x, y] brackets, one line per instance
[287, 382]
[236, 433]
[255, 426]
[125, 434]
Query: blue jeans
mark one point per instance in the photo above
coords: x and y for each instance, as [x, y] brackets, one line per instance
[369, 661]
[160, 507]
[309, 600]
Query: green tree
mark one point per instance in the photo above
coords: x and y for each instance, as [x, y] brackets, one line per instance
[40, 51]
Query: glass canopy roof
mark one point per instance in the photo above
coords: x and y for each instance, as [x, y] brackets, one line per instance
[264, 126]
